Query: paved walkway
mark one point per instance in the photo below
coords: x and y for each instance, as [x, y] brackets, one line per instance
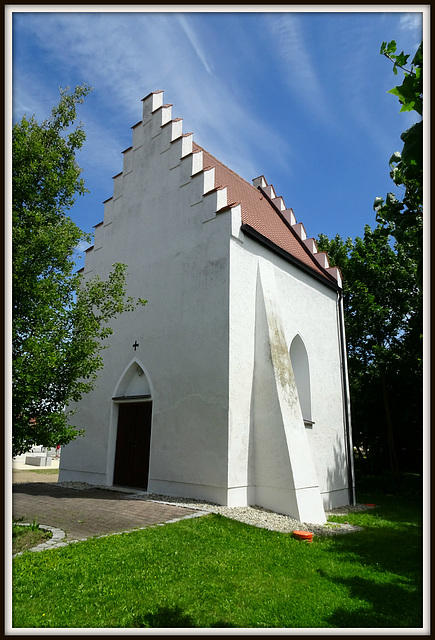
[87, 513]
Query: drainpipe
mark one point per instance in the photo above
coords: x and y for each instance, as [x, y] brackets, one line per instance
[346, 399]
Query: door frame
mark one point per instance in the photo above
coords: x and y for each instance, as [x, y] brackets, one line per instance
[116, 400]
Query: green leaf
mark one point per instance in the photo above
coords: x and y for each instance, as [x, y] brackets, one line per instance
[401, 59]
[389, 48]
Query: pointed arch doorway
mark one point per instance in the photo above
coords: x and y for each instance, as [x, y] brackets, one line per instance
[133, 436]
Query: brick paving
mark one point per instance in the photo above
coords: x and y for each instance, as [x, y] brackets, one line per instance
[87, 513]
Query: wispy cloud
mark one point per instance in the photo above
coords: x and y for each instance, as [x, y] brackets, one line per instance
[295, 60]
[127, 56]
[194, 41]
[411, 22]
[114, 53]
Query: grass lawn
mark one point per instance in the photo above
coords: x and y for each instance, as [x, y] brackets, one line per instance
[215, 572]
[46, 471]
[27, 536]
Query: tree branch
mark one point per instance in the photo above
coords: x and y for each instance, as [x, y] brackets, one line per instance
[410, 72]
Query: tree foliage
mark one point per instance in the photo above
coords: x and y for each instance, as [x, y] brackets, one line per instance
[406, 167]
[59, 322]
[382, 306]
[382, 295]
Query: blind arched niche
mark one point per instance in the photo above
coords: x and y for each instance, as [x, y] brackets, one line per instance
[301, 370]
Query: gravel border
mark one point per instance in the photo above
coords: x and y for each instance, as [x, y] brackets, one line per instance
[55, 541]
[253, 515]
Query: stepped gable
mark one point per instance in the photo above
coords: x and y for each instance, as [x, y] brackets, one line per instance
[261, 210]
[259, 213]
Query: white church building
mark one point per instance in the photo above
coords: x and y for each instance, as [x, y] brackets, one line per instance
[230, 384]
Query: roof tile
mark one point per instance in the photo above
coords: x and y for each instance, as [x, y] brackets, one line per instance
[259, 213]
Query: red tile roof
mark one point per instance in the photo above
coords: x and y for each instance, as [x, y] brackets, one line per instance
[260, 214]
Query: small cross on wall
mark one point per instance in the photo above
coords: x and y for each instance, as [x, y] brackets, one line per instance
[136, 344]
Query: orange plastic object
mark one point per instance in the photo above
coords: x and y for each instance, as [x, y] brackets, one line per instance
[306, 536]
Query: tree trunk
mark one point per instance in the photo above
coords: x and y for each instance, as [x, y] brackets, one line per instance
[394, 465]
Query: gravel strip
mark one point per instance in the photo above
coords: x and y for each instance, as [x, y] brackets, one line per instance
[55, 540]
[257, 516]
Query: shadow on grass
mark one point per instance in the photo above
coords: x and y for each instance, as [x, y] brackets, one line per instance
[171, 617]
[398, 552]
[392, 536]
[382, 605]
[389, 556]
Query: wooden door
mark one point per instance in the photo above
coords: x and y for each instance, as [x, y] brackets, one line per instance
[133, 445]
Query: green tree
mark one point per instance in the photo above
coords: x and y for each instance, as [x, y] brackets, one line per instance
[382, 292]
[59, 322]
[406, 215]
[382, 319]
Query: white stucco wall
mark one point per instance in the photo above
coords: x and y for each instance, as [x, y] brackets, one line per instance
[309, 309]
[166, 230]
[214, 343]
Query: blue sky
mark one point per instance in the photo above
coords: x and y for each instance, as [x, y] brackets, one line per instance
[297, 96]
